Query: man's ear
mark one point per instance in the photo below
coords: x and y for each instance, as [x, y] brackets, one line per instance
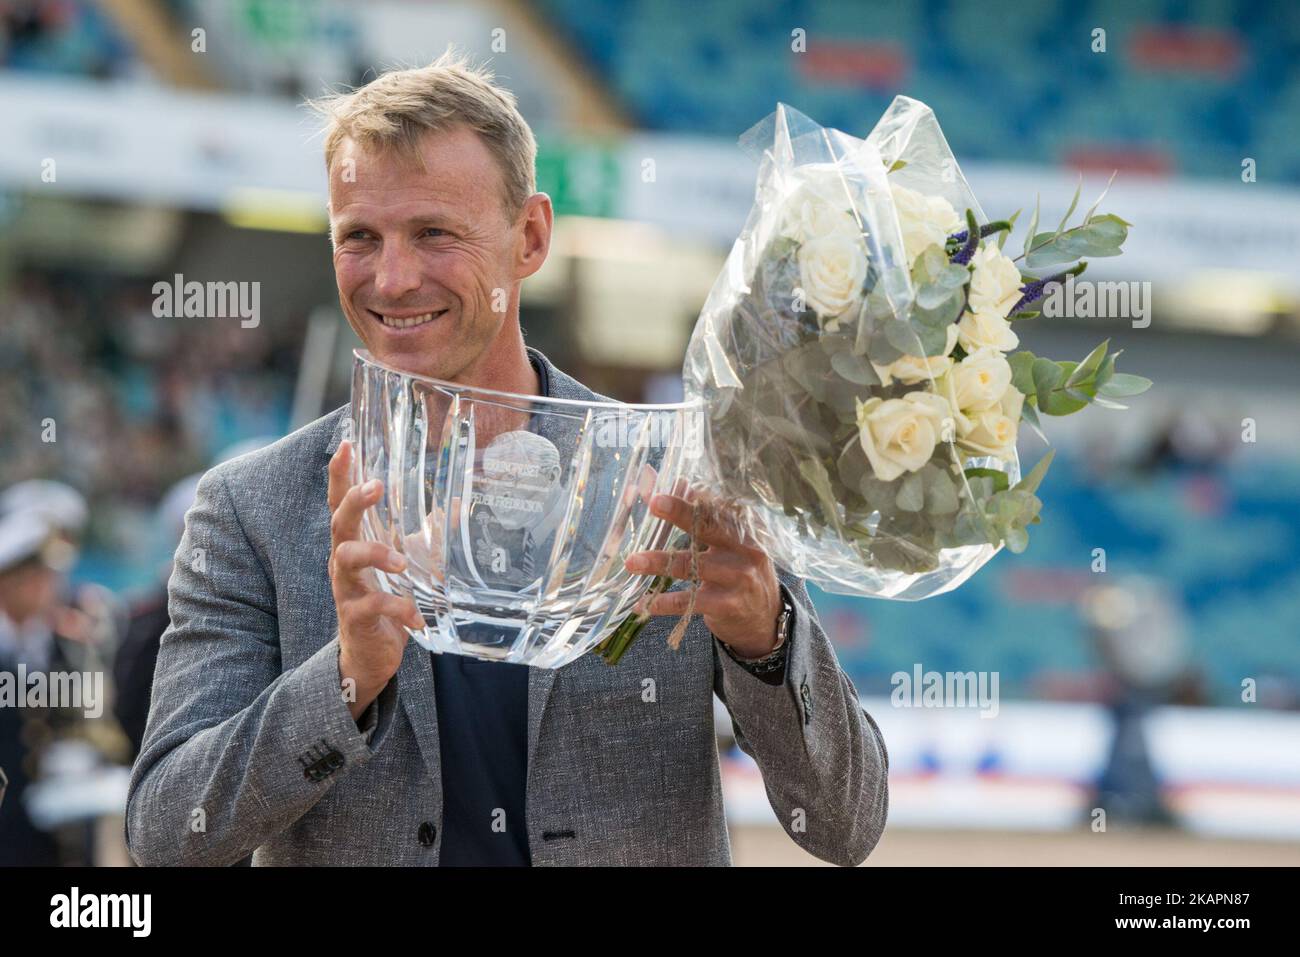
[538, 218]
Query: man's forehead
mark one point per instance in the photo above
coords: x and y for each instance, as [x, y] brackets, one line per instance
[444, 155]
[399, 207]
[450, 168]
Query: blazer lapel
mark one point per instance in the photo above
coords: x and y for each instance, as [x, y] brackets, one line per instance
[540, 683]
[415, 689]
[542, 680]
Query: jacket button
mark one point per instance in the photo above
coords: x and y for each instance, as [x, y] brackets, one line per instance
[428, 833]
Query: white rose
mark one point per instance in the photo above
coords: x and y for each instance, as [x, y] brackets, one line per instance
[925, 220]
[910, 370]
[986, 330]
[993, 431]
[995, 284]
[817, 206]
[831, 272]
[899, 435]
[979, 380]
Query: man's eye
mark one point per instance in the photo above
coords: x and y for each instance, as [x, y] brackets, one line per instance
[435, 231]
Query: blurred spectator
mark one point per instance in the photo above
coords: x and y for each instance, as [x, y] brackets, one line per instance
[33, 559]
[96, 389]
[61, 36]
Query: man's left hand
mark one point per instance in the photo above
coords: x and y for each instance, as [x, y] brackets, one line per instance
[739, 594]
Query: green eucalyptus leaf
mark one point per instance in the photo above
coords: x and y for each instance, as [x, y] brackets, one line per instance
[1011, 225]
[855, 369]
[972, 527]
[1016, 539]
[815, 474]
[902, 335]
[1088, 366]
[999, 478]
[932, 296]
[1028, 414]
[940, 492]
[1022, 377]
[1031, 481]
[1073, 203]
[796, 435]
[1047, 376]
[1105, 371]
[853, 465]
[1093, 208]
[1033, 225]
[911, 493]
[1100, 237]
[1056, 401]
[1122, 385]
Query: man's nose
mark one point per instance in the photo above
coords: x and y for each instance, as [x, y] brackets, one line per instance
[397, 273]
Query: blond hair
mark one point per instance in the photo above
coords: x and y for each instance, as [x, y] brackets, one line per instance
[397, 108]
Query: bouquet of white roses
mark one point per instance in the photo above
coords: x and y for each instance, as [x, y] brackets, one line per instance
[860, 364]
[860, 368]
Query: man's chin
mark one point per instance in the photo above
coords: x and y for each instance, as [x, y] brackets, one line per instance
[416, 352]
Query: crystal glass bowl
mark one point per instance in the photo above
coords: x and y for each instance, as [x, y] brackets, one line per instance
[515, 512]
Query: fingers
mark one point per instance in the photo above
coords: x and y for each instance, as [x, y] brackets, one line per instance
[345, 525]
[360, 614]
[709, 601]
[362, 609]
[709, 523]
[340, 473]
[718, 566]
[352, 557]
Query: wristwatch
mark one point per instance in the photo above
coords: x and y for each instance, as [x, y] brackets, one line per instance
[774, 660]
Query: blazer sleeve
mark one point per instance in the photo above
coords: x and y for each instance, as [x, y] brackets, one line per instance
[236, 749]
[822, 757]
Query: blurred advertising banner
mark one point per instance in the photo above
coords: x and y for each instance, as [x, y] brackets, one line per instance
[1035, 766]
[215, 151]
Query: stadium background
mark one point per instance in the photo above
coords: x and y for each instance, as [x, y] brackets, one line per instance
[172, 159]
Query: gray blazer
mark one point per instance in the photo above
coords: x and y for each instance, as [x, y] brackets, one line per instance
[250, 747]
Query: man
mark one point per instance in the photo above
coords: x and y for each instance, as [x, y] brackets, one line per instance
[441, 759]
[34, 557]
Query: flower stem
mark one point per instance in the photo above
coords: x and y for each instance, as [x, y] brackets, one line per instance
[618, 642]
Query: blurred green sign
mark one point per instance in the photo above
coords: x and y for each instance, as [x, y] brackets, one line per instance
[581, 179]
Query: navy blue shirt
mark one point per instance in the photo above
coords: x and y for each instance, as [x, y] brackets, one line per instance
[483, 737]
[483, 743]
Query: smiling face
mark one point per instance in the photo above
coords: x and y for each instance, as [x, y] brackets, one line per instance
[428, 261]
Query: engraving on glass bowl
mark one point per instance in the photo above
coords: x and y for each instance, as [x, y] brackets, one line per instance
[516, 505]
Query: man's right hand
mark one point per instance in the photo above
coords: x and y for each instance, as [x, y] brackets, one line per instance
[371, 635]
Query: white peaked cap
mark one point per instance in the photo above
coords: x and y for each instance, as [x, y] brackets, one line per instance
[22, 535]
[61, 506]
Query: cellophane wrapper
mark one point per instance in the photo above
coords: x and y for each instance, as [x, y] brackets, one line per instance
[782, 382]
